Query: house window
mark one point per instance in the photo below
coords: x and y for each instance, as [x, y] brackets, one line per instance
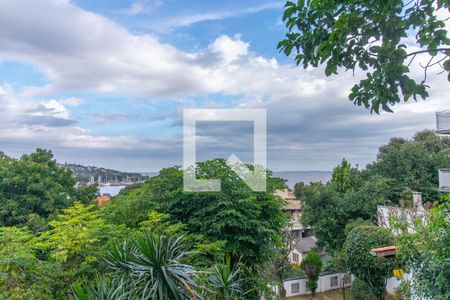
[295, 288]
[333, 281]
[307, 286]
[295, 217]
[295, 258]
[347, 279]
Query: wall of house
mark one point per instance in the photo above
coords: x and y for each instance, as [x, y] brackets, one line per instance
[326, 283]
[300, 257]
[391, 285]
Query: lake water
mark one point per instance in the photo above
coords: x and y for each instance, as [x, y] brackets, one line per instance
[292, 178]
[112, 190]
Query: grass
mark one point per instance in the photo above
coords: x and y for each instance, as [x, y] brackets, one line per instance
[334, 294]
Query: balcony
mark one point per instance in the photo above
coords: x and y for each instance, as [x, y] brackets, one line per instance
[444, 180]
[443, 122]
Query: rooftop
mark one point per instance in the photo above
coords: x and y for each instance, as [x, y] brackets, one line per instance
[291, 201]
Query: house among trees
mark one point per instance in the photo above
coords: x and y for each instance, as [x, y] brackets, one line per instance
[407, 214]
[102, 199]
[302, 239]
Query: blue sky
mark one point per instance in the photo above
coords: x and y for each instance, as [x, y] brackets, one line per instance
[104, 82]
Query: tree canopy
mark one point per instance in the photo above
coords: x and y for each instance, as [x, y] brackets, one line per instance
[380, 38]
[373, 270]
[426, 250]
[248, 223]
[352, 196]
[34, 188]
[312, 266]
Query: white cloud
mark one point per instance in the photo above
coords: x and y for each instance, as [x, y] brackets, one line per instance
[311, 123]
[229, 49]
[48, 123]
[55, 109]
[142, 7]
[72, 101]
[169, 24]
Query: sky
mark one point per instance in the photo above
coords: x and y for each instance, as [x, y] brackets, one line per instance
[105, 83]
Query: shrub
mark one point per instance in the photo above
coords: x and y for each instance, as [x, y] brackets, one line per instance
[361, 290]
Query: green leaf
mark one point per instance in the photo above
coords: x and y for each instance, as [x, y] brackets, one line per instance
[447, 65]
[288, 12]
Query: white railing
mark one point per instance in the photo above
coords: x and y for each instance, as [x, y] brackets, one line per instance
[444, 180]
[443, 122]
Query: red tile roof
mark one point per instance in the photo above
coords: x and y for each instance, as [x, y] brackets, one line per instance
[102, 199]
[384, 249]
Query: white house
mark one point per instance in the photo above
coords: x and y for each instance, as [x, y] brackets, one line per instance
[326, 282]
[408, 214]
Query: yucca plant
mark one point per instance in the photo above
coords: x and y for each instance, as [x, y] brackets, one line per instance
[152, 266]
[226, 282]
[103, 288]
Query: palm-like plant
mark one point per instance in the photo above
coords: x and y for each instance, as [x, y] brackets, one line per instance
[103, 288]
[152, 265]
[226, 282]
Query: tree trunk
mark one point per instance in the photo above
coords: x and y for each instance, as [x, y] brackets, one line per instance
[282, 290]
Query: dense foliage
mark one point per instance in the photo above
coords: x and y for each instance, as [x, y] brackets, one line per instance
[216, 245]
[352, 196]
[153, 240]
[371, 269]
[426, 252]
[153, 267]
[35, 188]
[361, 290]
[247, 224]
[380, 38]
[50, 261]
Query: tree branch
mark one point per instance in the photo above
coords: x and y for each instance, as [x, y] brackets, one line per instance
[424, 51]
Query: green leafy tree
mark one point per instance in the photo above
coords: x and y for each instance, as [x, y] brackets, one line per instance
[34, 188]
[77, 235]
[76, 242]
[22, 274]
[412, 164]
[344, 177]
[426, 251]
[329, 212]
[361, 290]
[312, 266]
[247, 223]
[373, 270]
[402, 166]
[153, 266]
[204, 251]
[370, 36]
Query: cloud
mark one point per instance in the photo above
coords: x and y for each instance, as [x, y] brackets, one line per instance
[72, 101]
[141, 7]
[102, 118]
[311, 123]
[229, 49]
[169, 24]
[18, 112]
